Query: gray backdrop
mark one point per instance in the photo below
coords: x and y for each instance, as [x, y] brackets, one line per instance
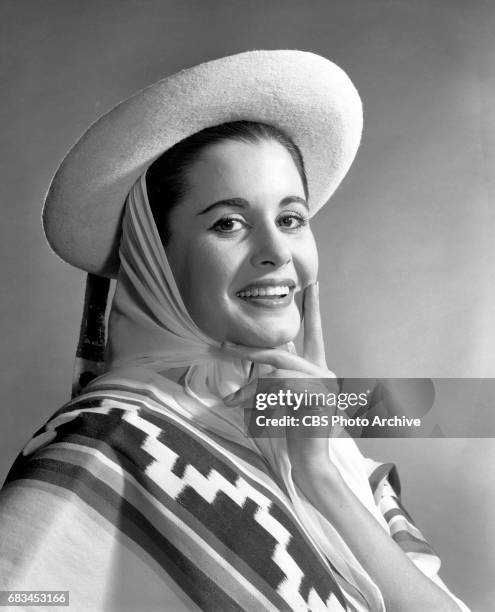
[406, 277]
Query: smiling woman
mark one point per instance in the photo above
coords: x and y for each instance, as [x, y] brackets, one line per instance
[238, 253]
[145, 492]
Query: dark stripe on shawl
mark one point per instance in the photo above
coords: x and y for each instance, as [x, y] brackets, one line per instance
[16, 468]
[133, 396]
[92, 428]
[135, 496]
[192, 452]
[314, 574]
[410, 543]
[305, 587]
[197, 585]
[390, 514]
[123, 436]
[112, 429]
[162, 421]
[243, 534]
[382, 471]
[158, 419]
[275, 509]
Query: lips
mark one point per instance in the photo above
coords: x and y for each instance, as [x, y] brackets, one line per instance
[271, 293]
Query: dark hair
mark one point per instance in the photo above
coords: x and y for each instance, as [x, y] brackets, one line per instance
[166, 177]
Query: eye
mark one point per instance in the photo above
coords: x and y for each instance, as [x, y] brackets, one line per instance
[292, 221]
[229, 225]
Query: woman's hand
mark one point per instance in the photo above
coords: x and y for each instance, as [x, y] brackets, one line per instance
[307, 446]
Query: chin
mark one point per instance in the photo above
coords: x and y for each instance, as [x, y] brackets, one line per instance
[266, 337]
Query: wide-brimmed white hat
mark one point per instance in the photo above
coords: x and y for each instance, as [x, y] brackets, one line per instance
[305, 95]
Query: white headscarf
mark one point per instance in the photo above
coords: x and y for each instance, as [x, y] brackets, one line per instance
[150, 327]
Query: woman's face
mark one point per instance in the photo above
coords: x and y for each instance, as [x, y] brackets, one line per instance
[241, 248]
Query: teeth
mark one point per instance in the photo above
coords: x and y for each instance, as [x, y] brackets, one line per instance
[262, 292]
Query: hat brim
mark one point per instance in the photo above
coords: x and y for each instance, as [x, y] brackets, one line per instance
[305, 95]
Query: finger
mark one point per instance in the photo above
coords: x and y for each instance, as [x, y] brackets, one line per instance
[313, 345]
[279, 373]
[241, 395]
[279, 359]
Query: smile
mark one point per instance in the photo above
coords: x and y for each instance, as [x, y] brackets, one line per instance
[268, 293]
[265, 292]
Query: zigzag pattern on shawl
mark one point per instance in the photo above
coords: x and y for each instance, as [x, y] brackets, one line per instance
[238, 521]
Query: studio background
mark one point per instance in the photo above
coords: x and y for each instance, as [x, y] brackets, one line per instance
[406, 247]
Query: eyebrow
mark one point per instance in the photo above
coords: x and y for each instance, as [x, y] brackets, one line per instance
[242, 203]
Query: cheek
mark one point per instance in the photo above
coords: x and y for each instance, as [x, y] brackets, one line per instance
[205, 280]
[215, 267]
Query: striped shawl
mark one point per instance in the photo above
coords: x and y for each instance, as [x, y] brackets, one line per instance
[130, 507]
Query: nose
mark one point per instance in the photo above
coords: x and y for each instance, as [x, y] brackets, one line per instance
[271, 249]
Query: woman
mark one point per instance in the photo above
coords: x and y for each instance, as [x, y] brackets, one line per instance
[144, 492]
